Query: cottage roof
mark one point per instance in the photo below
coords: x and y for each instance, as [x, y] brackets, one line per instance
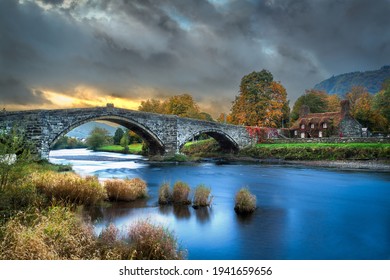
[318, 118]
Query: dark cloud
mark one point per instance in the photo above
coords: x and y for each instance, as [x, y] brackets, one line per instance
[188, 46]
[13, 91]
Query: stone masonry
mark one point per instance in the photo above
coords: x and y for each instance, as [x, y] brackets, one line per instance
[165, 134]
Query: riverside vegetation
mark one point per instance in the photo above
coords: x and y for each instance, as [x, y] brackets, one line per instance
[41, 214]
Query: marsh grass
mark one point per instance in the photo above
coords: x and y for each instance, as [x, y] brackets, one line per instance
[202, 196]
[245, 202]
[153, 242]
[165, 193]
[180, 193]
[126, 190]
[56, 233]
[69, 187]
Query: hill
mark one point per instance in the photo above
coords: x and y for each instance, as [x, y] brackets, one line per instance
[342, 84]
[83, 131]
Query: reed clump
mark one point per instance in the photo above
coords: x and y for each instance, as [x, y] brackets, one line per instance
[126, 190]
[245, 202]
[153, 242]
[165, 194]
[69, 187]
[180, 193]
[202, 196]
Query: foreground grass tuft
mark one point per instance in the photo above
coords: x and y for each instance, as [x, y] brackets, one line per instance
[180, 193]
[153, 242]
[202, 196]
[164, 194]
[245, 202]
[126, 190]
[51, 235]
[69, 187]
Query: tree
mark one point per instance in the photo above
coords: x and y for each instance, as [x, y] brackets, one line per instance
[14, 156]
[97, 138]
[316, 100]
[381, 104]
[118, 136]
[152, 105]
[125, 143]
[333, 101]
[180, 105]
[261, 101]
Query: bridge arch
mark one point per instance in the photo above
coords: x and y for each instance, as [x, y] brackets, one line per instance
[155, 144]
[225, 141]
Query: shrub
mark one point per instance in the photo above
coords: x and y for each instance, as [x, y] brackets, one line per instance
[17, 197]
[180, 193]
[245, 202]
[69, 187]
[126, 190]
[153, 242]
[202, 196]
[164, 194]
[55, 234]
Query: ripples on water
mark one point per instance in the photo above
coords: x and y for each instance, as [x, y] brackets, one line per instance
[304, 213]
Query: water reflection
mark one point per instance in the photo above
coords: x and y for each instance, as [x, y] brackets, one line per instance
[203, 214]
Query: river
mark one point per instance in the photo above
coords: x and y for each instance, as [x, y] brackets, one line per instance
[303, 212]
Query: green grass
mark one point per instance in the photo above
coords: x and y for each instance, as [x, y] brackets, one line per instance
[133, 148]
[319, 151]
[320, 145]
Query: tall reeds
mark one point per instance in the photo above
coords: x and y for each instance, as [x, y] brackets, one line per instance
[69, 187]
[245, 202]
[126, 190]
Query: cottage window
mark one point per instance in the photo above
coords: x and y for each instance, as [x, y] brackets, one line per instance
[325, 125]
[295, 132]
[320, 134]
[302, 126]
[312, 125]
[303, 135]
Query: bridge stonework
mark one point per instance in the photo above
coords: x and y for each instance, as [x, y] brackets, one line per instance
[165, 134]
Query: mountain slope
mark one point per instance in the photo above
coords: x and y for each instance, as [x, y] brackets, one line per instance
[342, 84]
[83, 131]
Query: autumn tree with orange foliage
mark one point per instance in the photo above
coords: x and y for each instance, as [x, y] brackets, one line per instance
[180, 105]
[262, 101]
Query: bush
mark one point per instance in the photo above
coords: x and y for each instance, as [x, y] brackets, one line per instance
[54, 234]
[153, 242]
[126, 190]
[69, 187]
[180, 193]
[164, 194]
[245, 202]
[20, 196]
[202, 196]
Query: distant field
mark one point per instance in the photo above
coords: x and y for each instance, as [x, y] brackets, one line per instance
[133, 148]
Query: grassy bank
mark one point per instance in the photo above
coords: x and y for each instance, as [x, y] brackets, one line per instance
[319, 151]
[133, 149]
[41, 217]
[202, 148]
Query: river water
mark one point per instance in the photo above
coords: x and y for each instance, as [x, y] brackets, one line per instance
[303, 212]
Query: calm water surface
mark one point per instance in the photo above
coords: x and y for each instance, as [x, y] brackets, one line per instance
[304, 213]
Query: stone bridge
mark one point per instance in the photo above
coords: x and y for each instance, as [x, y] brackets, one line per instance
[165, 134]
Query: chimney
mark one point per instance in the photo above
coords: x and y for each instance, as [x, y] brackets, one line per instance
[304, 111]
[345, 107]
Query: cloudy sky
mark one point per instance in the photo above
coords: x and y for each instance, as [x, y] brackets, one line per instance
[77, 53]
